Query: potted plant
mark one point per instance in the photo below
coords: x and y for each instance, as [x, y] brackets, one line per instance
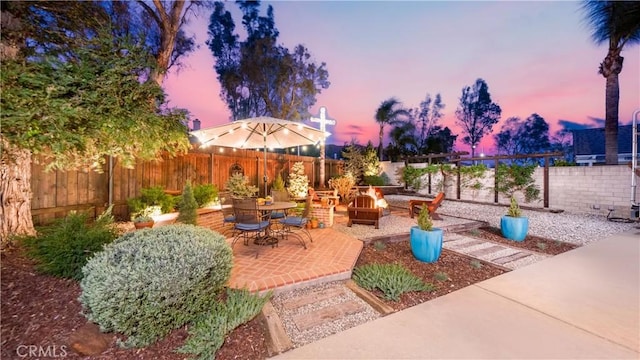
[425, 240]
[314, 222]
[144, 217]
[514, 226]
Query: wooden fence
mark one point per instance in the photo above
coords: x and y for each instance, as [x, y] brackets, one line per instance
[56, 193]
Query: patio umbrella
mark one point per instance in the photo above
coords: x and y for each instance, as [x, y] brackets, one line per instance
[260, 132]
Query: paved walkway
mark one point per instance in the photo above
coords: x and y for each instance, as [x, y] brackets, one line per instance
[497, 254]
[581, 304]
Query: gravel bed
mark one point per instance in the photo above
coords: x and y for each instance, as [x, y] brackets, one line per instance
[569, 227]
[298, 337]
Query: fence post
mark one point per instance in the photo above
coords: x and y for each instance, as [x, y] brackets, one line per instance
[545, 182]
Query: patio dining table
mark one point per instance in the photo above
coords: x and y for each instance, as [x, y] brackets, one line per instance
[272, 236]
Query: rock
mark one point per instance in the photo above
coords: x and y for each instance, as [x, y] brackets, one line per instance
[88, 340]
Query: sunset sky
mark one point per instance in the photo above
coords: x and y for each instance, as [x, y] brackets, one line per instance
[536, 57]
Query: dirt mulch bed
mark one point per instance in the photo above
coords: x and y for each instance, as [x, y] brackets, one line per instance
[532, 243]
[459, 270]
[44, 311]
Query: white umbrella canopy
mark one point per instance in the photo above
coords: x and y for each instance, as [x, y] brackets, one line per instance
[260, 132]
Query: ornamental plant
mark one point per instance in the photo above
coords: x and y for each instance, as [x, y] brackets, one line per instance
[238, 185]
[278, 183]
[392, 279]
[517, 178]
[424, 220]
[63, 248]
[343, 185]
[149, 282]
[514, 209]
[205, 194]
[298, 181]
[188, 207]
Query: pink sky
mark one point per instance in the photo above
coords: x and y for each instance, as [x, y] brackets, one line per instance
[536, 57]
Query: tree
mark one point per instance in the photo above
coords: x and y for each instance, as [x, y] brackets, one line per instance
[257, 76]
[562, 140]
[427, 116]
[523, 137]
[76, 110]
[389, 112]
[618, 23]
[477, 113]
[440, 141]
[403, 141]
[167, 38]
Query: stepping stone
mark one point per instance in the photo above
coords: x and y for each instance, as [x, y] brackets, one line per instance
[505, 259]
[313, 298]
[307, 321]
[467, 244]
[486, 251]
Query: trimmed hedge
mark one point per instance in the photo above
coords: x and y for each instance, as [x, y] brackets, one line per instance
[151, 281]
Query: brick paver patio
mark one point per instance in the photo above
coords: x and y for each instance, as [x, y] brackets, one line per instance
[330, 257]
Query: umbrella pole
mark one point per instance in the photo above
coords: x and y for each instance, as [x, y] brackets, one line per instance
[265, 171]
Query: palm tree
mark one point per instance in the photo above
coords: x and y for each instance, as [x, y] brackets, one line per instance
[389, 112]
[617, 22]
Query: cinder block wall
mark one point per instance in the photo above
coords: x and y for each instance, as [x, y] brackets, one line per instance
[581, 189]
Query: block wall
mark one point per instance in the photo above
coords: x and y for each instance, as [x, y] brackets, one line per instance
[582, 189]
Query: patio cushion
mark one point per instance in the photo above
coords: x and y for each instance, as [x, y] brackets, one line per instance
[294, 221]
[252, 227]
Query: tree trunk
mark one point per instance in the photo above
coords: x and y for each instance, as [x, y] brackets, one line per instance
[15, 193]
[611, 120]
[610, 68]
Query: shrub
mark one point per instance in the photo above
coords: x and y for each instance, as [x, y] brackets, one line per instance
[188, 207]
[64, 247]
[152, 196]
[374, 180]
[278, 183]
[392, 279]
[205, 194]
[151, 281]
[343, 184]
[208, 333]
[238, 185]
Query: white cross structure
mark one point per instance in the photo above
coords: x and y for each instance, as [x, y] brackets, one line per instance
[324, 121]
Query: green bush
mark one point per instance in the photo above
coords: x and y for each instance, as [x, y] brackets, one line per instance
[205, 194]
[208, 333]
[64, 247]
[151, 281]
[374, 180]
[392, 279]
[188, 207]
[152, 196]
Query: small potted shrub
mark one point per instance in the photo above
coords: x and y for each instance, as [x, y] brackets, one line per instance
[514, 226]
[426, 241]
[314, 222]
[143, 219]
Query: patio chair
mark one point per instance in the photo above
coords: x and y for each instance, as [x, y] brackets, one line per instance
[363, 210]
[432, 205]
[228, 217]
[295, 225]
[251, 223]
[279, 195]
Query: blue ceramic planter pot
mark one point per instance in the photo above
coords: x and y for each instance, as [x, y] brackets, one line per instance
[514, 228]
[426, 245]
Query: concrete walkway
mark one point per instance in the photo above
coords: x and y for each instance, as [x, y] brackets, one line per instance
[582, 304]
